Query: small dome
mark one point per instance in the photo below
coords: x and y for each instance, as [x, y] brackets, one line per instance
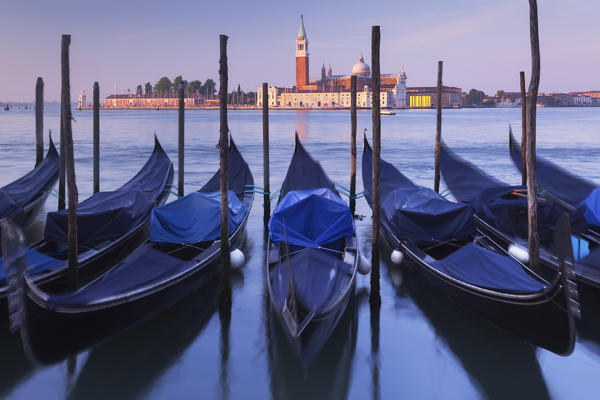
[360, 68]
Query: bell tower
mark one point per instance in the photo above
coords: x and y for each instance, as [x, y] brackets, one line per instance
[301, 57]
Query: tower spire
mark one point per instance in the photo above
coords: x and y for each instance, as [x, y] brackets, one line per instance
[301, 31]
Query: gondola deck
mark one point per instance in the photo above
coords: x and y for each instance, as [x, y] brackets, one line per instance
[502, 291]
[311, 267]
[151, 279]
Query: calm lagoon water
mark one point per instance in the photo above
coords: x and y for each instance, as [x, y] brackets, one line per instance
[423, 347]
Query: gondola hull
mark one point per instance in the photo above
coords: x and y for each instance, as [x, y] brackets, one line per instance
[91, 263]
[313, 338]
[53, 334]
[540, 318]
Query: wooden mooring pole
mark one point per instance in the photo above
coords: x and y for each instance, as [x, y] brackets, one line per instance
[39, 120]
[531, 139]
[375, 297]
[69, 160]
[353, 144]
[523, 129]
[181, 142]
[61, 164]
[438, 129]
[96, 161]
[225, 279]
[267, 180]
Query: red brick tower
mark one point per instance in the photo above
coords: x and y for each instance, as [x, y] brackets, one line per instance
[301, 57]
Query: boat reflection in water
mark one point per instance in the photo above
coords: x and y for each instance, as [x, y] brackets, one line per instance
[14, 366]
[129, 365]
[327, 376]
[502, 365]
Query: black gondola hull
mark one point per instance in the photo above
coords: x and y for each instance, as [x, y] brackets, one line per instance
[91, 265]
[53, 335]
[541, 320]
[313, 338]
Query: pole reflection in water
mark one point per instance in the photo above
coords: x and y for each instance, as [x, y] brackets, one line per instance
[375, 310]
[223, 375]
[502, 365]
[129, 365]
[328, 376]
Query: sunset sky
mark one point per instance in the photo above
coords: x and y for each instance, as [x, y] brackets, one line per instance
[484, 44]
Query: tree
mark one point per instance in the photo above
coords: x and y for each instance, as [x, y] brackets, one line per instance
[194, 86]
[475, 97]
[500, 94]
[177, 81]
[163, 86]
[138, 90]
[148, 88]
[209, 88]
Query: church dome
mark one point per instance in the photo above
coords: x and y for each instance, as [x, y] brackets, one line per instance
[360, 68]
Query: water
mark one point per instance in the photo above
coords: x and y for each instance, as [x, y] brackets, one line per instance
[424, 346]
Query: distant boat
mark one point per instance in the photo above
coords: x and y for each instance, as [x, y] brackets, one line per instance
[6, 108]
[387, 112]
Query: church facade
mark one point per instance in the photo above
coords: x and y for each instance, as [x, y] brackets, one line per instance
[334, 90]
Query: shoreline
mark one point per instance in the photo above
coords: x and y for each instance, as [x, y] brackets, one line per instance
[255, 108]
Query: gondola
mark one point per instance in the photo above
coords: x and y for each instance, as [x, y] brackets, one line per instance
[442, 245]
[22, 200]
[312, 256]
[577, 195]
[501, 212]
[110, 225]
[181, 256]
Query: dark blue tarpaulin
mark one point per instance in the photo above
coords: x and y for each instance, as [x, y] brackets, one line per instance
[311, 218]
[556, 180]
[304, 173]
[317, 278]
[16, 195]
[465, 180]
[415, 212]
[109, 215]
[103, 216]
[422, 215]
[591, 207]
[487, 269]
[194, 218]
[499, 204]
[8, 207]
[36, 264]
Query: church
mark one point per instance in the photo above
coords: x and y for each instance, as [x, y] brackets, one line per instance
[330, 91]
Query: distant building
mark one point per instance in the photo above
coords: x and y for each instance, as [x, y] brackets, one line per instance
[334, 90]
[82, 100]
[151, 101]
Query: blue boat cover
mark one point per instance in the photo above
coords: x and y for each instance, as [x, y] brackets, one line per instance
[591, 206]
[558, 181]
[36, 264]
[493, 200]
[487, 269]
[239, 174]
[465, 180]
[16, 195]
[415, 212]
[311, 218]
[304, 173]
[317, 277]
[144, 266]
[109, 215]
[194, 218]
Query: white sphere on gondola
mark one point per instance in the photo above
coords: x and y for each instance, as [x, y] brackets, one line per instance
[519, 253]
[237, 258]
[364, 266]
[397, 257]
